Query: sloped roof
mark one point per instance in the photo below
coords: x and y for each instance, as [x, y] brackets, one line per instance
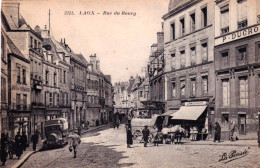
[174, 4]
[50, 41]
[13, 48]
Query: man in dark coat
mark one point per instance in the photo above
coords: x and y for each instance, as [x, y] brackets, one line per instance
[217, 132]
[24, 140]
[129, 137]
[34, 140]
[3, 149]
[146, 134]
[231, 131]
[18, 145]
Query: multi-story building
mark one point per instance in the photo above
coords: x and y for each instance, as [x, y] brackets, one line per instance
[237, 64]
[156, 103]
[189, 66]
[108, 98]
[77, 85]
[4, 76]
[30, 44]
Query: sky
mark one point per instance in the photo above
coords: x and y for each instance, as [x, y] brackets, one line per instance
[122, 42]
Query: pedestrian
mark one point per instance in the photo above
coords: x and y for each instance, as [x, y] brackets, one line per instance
[18, 145]
[10, 146]
[79, 130]
[191, 134]
[129, 137]
[195, 131]
[74, 142]
[231, 131]
[34, 140]
[24, 140]
[3, 149]
[146, 134]
[97, 122]
[217, 132]
[156, 138]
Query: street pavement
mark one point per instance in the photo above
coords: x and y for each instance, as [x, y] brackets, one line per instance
[107, 148]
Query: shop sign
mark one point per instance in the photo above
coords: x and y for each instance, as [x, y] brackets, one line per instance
[197, 103]
[238, 35]
[20, 88]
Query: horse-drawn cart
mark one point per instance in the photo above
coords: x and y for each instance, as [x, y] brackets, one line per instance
[137, 125]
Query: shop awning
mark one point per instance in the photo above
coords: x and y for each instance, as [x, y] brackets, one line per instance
[188, 113]
[168, 113]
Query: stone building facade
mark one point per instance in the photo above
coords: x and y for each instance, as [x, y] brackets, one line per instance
[189, 56]
[237, 64]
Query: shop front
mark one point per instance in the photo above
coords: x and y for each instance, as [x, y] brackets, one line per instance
[192, 115]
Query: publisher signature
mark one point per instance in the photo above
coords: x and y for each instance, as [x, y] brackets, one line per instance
[233, 155]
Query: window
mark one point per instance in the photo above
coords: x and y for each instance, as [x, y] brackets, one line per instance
[204, 85]
[35, 44]
[58, 98]
[193, 86]
[183, 58]
[64, 77]
[204, 17]
[39, 47]
[141, 93]
[192, 22]
[225, 92]
[63, 98]
[54, 78]
[242, 14]
[24, 76]
[3, 89]
[173, 89]
[242, 55]
[225, 118]
[173, 31]
[182, 88]
[18, 74]
[243, 91]
[18, 101]
[47, 77]
[173, 61]
[31, 42]
[224, 19]
[24, 101]
[67, 98]
[224, 57]
[60, 76]
[193, 55]
[182, 24]
[204, 52]
[51, 101]
[3, 47]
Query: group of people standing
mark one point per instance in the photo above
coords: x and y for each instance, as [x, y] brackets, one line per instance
[231, 130]
[17, 146]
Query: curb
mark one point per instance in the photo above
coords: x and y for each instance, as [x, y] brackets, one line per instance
[23, 160]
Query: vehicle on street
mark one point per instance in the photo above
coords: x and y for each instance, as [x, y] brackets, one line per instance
[56, 132]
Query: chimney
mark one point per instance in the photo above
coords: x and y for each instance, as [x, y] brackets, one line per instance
[64, 41]
[160, 41]
[11, 12]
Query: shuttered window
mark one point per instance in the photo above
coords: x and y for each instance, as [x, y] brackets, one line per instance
[242, 10]
[183, 58]
[224, 19]
[193, 55]
[243, 91]
[225, 92]
[204, 52]
[173, 61]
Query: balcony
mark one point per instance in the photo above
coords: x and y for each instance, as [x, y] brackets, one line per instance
[224, 30]
[242, 24]
[20, 107]
[37, 105]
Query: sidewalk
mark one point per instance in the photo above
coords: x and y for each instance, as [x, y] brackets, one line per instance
[222, 143]
[15, 163]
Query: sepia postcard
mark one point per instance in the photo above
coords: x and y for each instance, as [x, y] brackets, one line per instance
[130, 83]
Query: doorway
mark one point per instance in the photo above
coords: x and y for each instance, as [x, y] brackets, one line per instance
[242, 124]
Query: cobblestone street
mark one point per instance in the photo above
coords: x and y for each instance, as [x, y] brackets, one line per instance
[107, 148]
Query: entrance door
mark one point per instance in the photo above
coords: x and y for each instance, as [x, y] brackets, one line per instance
[242, 124]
